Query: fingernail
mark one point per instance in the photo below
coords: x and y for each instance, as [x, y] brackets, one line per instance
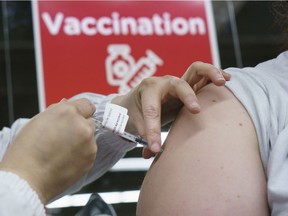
[155, 147]
[195, 105]
[220, 75]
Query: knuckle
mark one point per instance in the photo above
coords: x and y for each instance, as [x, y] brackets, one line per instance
[90, 104]
[67, 109]
[52, 106]
[151, 112]
[176, 82]
[148, 81]
[87, 132]
[84, 131]
[168, 77]
[195, 64]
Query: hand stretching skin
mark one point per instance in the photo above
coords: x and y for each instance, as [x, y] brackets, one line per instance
[156, 101]
[55, 149]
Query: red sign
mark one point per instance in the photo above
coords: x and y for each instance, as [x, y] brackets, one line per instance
[110, 46]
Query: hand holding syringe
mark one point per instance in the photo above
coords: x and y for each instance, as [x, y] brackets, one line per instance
[115, 119]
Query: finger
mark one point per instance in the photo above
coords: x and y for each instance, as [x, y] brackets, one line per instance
[226, 75]
[63, 100]
[84, 107]
[151, 108]
[203, 82]
[179, 88]
[51, 106]
[146, 153]
[198, 70]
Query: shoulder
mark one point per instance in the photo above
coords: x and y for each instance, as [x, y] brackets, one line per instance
[209, 151]
[218, 106]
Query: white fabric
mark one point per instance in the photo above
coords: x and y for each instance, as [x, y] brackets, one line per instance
[16, 196]
[263, 90]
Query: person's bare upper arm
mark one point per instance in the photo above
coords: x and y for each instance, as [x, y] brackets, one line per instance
[210, 164]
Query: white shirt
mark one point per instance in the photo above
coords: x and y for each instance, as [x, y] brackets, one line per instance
[263, 90]
[18, 198]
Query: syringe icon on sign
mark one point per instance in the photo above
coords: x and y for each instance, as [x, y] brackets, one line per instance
[145, 67]
[123, 71]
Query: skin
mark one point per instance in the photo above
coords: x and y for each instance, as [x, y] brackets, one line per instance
[210, 165]
[57, 147]
[157, 100]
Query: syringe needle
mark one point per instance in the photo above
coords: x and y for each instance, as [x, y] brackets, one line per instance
[125, 135]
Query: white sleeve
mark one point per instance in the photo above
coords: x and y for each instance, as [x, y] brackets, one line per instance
[8, 134]
[17, 197]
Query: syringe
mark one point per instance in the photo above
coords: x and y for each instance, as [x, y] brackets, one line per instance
[128, 136]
